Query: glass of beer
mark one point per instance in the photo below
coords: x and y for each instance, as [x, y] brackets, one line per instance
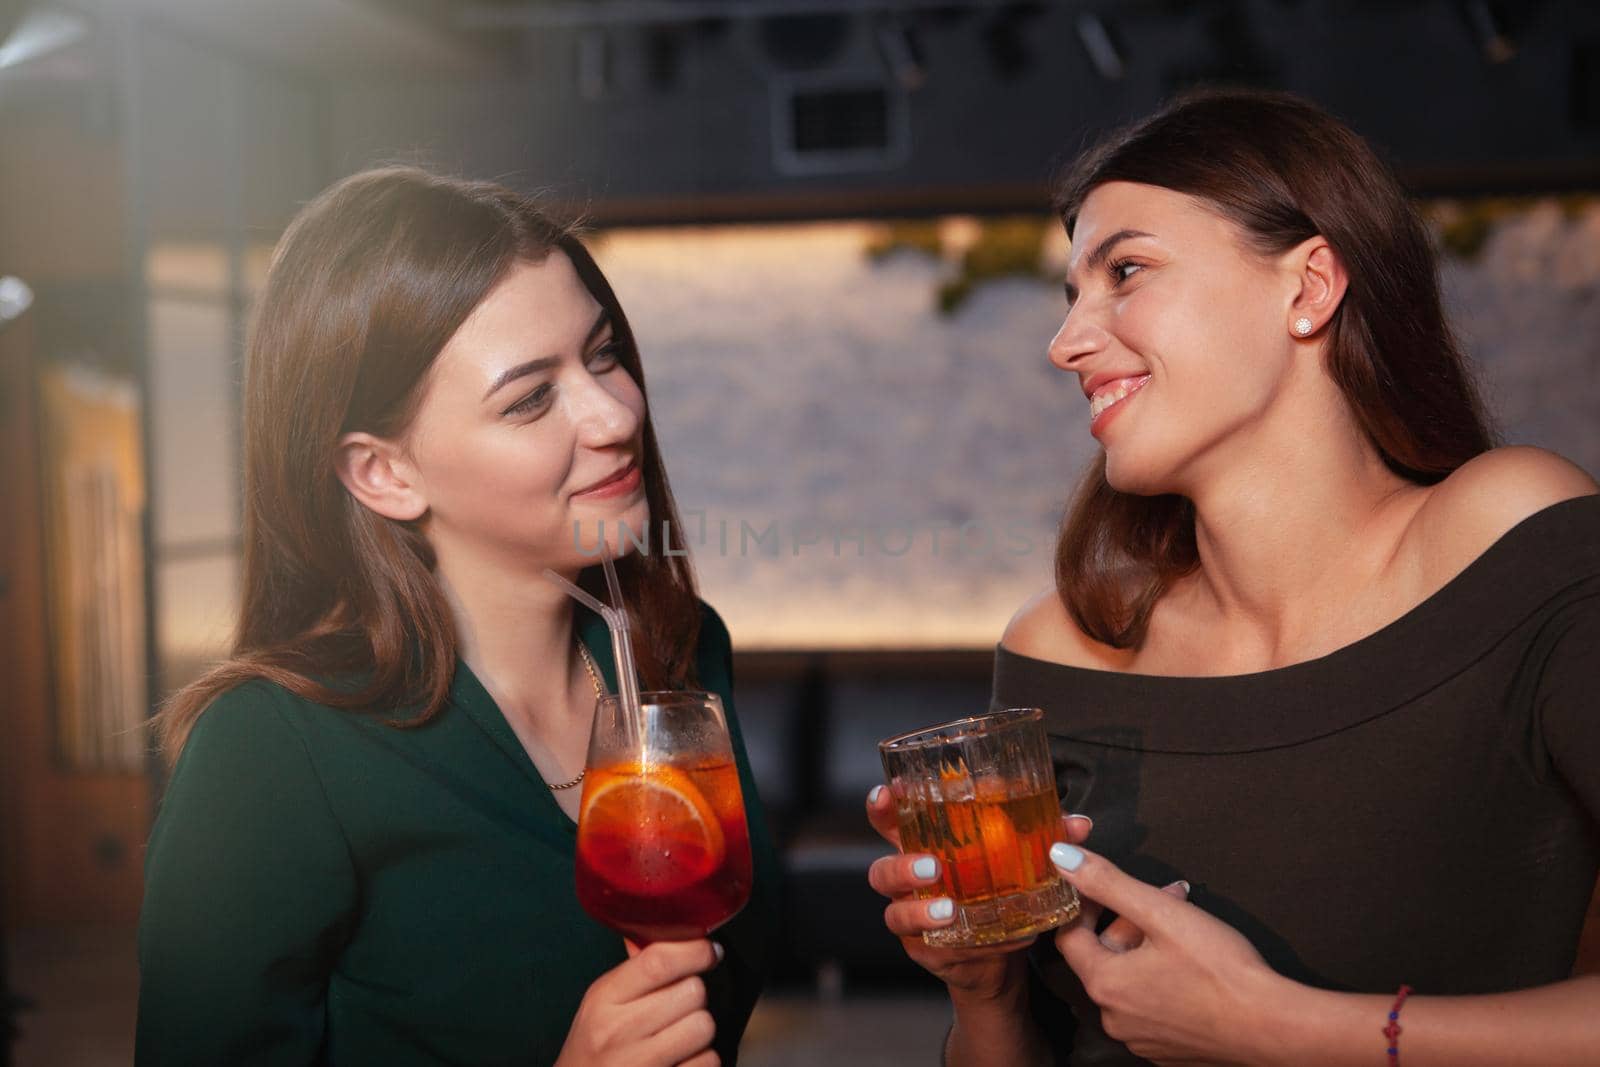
[979, 795]
[663, 849]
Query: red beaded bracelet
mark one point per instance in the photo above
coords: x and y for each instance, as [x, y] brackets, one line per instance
[1392, 1031]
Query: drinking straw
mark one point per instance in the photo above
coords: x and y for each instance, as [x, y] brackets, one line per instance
[616, 620]
[580, 596]
[622, 643]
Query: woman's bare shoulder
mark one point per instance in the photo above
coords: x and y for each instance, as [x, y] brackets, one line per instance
[1044, 629]
[1484, 498]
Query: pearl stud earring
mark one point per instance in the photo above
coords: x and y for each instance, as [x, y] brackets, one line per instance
[1303, 325]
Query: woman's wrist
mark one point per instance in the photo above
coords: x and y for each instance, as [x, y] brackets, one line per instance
[1280, 1024]
[1313, 1027]
[1005, 989]
[1008, 998]
[991, 1024]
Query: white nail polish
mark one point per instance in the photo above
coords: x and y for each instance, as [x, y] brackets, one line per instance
[925, 868]
[877, 792]
[1065, 856]
[942, 908]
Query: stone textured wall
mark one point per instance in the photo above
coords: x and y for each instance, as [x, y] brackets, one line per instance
[804, 386]
[1527, 308]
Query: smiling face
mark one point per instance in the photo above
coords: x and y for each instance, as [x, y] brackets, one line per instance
[528, 425]
[1176, 332]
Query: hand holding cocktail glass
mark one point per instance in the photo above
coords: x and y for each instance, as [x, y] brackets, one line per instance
[663, 857]
[663, 848]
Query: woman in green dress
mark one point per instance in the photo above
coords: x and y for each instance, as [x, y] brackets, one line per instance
[365, 850]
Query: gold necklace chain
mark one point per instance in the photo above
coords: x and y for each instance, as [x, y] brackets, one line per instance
[599, 691]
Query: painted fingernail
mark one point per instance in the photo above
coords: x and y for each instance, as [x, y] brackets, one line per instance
[925, 868]
[877, 792]
[716, 947]
[1065, 856]
[1181, 884]
[942, 908]
[1081, 818]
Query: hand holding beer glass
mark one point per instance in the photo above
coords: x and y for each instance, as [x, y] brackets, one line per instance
[979, 795]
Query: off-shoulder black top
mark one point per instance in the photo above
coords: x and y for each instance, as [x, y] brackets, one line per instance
[1420, 807]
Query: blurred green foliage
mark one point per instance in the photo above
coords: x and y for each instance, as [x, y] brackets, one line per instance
[1464, 226]
[1007, 247]
[902, 236]
[1013, 246]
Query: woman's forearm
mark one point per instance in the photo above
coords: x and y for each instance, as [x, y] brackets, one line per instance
[1550, 1026]
[992, 1030]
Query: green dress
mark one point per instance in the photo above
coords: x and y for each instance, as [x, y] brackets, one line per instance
[322, 888]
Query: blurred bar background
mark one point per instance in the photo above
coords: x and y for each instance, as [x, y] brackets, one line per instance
[829, 222]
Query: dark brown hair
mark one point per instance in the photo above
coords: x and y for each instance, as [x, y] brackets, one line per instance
[340, 605]
[1283, 171]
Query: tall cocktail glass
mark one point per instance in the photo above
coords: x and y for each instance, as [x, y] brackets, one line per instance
[663, 847]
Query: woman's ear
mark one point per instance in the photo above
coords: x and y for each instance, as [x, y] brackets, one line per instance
[1318, 281]
[379, 475]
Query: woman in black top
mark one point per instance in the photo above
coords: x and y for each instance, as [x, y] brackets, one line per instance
[1314, 645]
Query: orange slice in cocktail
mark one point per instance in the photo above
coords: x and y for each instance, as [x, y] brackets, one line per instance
[649, 833]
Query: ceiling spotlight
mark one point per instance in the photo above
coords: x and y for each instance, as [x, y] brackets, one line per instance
[15, 298]
[1488, 24]
[40, 32]
[901, 55]
[1103, 53]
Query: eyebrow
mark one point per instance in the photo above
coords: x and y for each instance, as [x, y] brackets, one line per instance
[534, 366]
[1101, 252]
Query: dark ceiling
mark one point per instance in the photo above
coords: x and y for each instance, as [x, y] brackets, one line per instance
[685, 109]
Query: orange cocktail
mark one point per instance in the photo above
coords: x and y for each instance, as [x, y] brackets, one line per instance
[993, 846]
[980, 795]
[663, 849]
[663, 852]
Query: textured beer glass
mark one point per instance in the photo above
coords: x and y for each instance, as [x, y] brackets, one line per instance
[979, 795]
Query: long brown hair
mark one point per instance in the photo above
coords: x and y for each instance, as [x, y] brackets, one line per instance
[1283, 171]
[340, 605]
